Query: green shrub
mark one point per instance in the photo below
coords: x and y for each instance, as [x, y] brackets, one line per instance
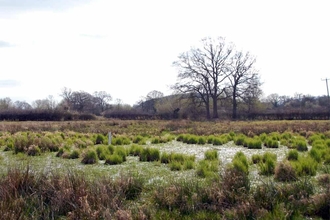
[175, 166]
[271, 143]
[293, 155]
[139, 140]
[113, 159]
[327, 159]
[269, 156]
[240, 140]
[284, 142]
[256, 158]
[102, 151]
[211, 155]
[135, 150]
[210, 139]
[121, 151]
[150, 154]
[315, 154]
[165, 158]
[267, 167]
[300, 145]
[284, 172]
[111, 149]
[192, 139]
[90, 157]
[9, 145]
[180, 138]
[240, 162]
[253, 143]
[201, 140]
[178, 157]
[305, 166]
[33, 150]
[155, 140]
[217, 141]
[120, 140]
[80, 143]
[188, 164]
[207, 168]
[74, 154]
[100, 139]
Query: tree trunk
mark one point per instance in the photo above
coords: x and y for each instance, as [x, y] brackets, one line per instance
[215, 107]
[234, 105]
[234, 108]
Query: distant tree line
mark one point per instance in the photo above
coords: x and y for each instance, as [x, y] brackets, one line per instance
[158, 106]
[215, 81]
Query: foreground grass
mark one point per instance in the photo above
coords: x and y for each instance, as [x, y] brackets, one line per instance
[26, 194]
[258, 170]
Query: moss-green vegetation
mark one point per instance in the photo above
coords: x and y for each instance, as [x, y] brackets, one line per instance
[183, 181]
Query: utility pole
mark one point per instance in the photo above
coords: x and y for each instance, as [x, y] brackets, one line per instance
[326, 82]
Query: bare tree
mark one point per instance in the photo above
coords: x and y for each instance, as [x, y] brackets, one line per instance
[102, 100]
[148, 104]
[242, 77]
[6, 103]
[154, 94]
[45, 104]
[202, 71]
[22, 105]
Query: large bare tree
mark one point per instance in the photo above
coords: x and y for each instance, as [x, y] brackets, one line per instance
[202, 71]
[242, 77]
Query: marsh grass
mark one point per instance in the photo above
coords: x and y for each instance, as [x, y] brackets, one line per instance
[102, 192]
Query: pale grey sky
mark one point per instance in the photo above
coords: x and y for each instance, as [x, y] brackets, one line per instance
[127, 47]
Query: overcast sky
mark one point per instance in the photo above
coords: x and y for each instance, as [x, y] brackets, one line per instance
[127, 47]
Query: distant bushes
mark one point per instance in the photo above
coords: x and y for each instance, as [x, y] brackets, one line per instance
[43, 115]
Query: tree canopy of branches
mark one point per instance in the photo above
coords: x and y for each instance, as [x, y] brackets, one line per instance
[207, 72]
[82, 101]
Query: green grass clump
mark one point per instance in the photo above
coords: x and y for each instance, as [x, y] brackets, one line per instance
[173, 159]
[240, 162]
[211, 155]
[299, 144]
[192, 139]
[150, 154]
[210, 139]
[102, 152]
[175, 166]
[189, 164]
[305, 166]
[293, 155]
[271, 143]
[135, 150]
[201, 140]
[253, 143]
[207, 168]
[267, 167]
[120, 140]
[240, 139]
[139, 140]
[121, 151]
[100, 139]
[113, 159]
[315, 154]
[256, 158]
[90, 157]
[73, 154]
[217, 141]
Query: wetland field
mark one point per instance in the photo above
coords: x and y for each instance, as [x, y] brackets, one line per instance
[152, 169]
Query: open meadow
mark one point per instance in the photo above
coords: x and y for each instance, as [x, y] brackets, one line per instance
[154, 169]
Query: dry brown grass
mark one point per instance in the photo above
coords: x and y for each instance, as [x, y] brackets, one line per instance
[156, 127]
